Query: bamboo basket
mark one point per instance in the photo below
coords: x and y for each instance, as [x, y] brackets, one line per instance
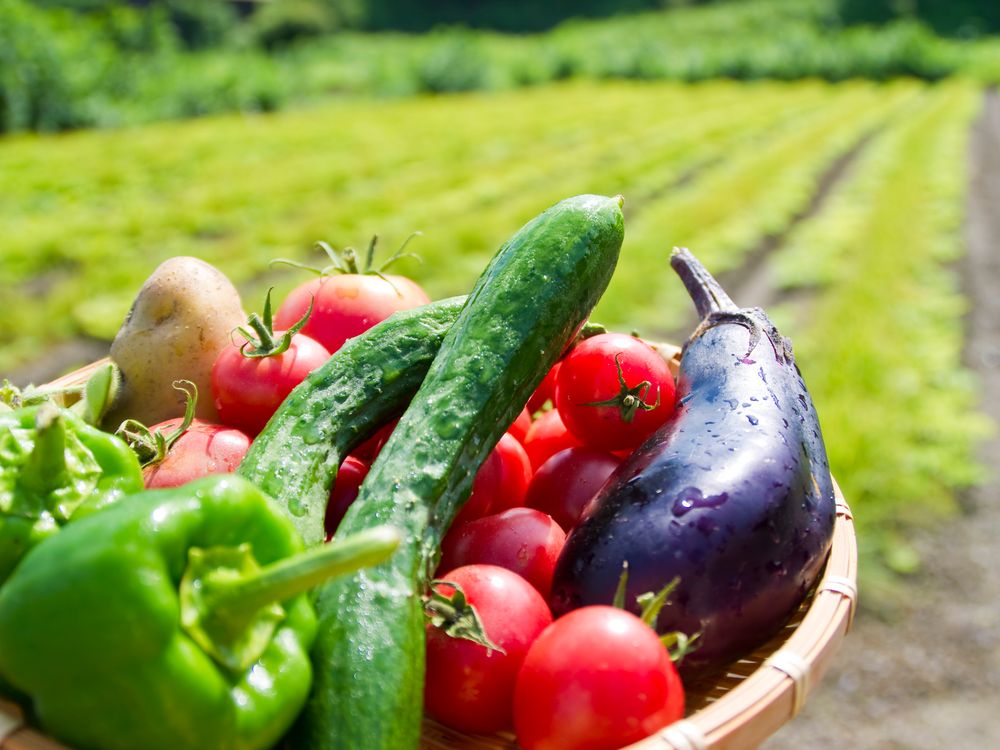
[736, 710]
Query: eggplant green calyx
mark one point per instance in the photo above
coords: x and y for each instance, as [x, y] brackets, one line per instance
[454, 614]
[102, 602]
[678, 644]
[230, 605]
[629, 399]
[259, 333]
[151, 447]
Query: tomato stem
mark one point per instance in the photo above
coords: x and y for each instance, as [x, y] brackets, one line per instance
[629, 399]
[264, 343]
[46, 467]
[346, 261]
[152, 447]
[455, 615]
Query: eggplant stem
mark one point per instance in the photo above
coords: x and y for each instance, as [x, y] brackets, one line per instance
[706, 293]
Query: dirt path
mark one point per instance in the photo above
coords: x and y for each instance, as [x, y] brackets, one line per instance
[929, 677]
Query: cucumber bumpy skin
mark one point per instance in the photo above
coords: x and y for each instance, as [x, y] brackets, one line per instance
[522, 313]
[367, 382]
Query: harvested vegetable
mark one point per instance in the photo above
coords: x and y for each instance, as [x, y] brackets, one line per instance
[523, 540]
[179, 322]
[53, 467]
[598, 678]
[734, 496]
[365, 384]
[175, 620]
[521, 314]
[469, 686]
[260, 367]
[348, 298]
[613, 391]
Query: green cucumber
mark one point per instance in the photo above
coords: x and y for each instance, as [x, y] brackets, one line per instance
[367, 382]
[522, 313]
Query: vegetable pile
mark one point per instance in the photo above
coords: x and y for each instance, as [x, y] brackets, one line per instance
[482, 509]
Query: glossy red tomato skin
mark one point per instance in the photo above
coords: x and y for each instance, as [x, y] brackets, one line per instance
[370, 448]
[597, 679]
[546, 437]
[205, 448]
[589, 374]
[468, 687]
[501, 482]
[521, 425]
[545, 391]
[248, 390]
[564, 485]
[522, 540]
[350, 475]
[345, 305]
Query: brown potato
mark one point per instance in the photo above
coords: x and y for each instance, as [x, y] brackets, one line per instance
[179, 322]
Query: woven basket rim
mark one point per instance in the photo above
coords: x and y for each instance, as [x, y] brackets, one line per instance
[736, 711]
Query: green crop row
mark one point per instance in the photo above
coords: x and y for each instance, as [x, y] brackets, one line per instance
[882, 339]
[87, 216]
[757, 192]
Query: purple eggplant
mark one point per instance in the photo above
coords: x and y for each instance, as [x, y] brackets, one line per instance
[733, 496]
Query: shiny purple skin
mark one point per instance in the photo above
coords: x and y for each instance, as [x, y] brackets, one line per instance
[733, 496]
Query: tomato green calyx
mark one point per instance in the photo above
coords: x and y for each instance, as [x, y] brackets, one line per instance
[346, 261]
[230, 605]
[260, 339]
[152, 447]
[455, 615]
[629, 399]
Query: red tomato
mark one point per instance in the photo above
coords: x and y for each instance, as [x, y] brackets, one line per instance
[469, 687]
[565, 483]
[545, 391]
[248, 390]
[590, 374]
[369, 449]
[501, 482]
[350, 475]
[521, 425]
[598, 678]
[345, 305]
[204, 448]
[546, 437]
[523, 540]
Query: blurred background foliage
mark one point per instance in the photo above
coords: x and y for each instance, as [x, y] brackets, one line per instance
[95, 63]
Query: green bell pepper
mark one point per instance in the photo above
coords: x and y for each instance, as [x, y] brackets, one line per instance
[176, 620]
[53, 467]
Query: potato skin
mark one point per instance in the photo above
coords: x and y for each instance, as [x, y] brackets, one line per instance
[179, 322]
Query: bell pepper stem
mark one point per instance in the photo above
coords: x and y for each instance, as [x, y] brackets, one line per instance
[279, 581]
[47, 463]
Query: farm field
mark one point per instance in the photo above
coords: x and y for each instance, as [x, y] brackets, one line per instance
[836, 206]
